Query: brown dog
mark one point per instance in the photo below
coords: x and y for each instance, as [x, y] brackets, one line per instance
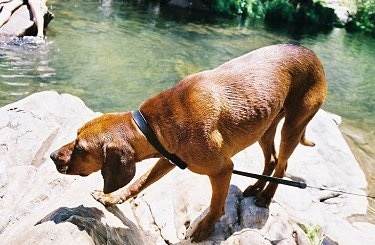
[204, 120]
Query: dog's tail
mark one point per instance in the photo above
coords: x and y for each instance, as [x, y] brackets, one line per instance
[305, 141]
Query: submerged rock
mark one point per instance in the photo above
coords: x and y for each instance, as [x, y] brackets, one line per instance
[39, 205]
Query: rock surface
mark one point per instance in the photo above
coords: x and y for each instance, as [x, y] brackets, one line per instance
[20, 23]
[40, 206]
[343, 9]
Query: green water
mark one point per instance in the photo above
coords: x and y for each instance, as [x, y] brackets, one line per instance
[116, 54]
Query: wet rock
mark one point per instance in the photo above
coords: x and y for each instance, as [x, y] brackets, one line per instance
[39, 205]
[342, 8]
[20, 23]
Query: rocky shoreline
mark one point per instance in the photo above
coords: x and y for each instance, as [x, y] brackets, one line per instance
[39, 205]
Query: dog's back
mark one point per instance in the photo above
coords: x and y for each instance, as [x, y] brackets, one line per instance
[238, 99]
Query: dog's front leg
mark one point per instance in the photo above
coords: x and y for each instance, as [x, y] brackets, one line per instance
[162, 167]
[220, 185]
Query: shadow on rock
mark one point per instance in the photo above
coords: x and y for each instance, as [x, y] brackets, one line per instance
[240, 213]
[252, 216]
[90, 219]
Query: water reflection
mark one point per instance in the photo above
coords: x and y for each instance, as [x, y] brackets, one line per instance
[114, 54]
[348, 61]
[25, 67]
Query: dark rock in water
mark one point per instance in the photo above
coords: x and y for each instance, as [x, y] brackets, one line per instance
[20, 23]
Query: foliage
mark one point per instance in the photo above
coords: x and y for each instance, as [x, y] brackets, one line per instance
[303, 12]
[300, 12]
[279, 10]
[314, 233]
[364, 18]
[313, 13]
[252, 8]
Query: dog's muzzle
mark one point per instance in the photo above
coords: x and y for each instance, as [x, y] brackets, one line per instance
[61, 166]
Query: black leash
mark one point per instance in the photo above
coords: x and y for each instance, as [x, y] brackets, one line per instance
[151, 137]
[299, 184]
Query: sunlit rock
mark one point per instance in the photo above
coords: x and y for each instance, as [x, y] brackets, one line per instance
[39, 205]
[20, 23]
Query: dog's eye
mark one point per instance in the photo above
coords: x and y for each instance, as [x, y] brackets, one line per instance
[79, 149]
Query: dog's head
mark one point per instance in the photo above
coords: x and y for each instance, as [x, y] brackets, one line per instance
[101, 144]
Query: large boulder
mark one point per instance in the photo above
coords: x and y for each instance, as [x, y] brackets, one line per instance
[40, 206]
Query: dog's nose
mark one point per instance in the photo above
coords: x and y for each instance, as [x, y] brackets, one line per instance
[53, 156]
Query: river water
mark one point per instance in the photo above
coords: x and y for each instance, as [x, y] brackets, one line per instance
[115, 54]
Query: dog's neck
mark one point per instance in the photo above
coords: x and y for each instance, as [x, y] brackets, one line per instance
[145, 128]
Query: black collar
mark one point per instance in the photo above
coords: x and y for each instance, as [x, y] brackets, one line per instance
[151, 137]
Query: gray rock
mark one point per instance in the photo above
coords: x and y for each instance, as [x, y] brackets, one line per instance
[343, 9]
[40, 206]
[20, 23]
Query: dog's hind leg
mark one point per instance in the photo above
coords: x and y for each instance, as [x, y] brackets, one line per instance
[267, 143]
[291, 134]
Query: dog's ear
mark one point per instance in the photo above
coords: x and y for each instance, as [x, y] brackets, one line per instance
[118, 168]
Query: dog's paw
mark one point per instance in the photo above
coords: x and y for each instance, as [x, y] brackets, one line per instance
[262, 200]
[202, 231]
[106, 199]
